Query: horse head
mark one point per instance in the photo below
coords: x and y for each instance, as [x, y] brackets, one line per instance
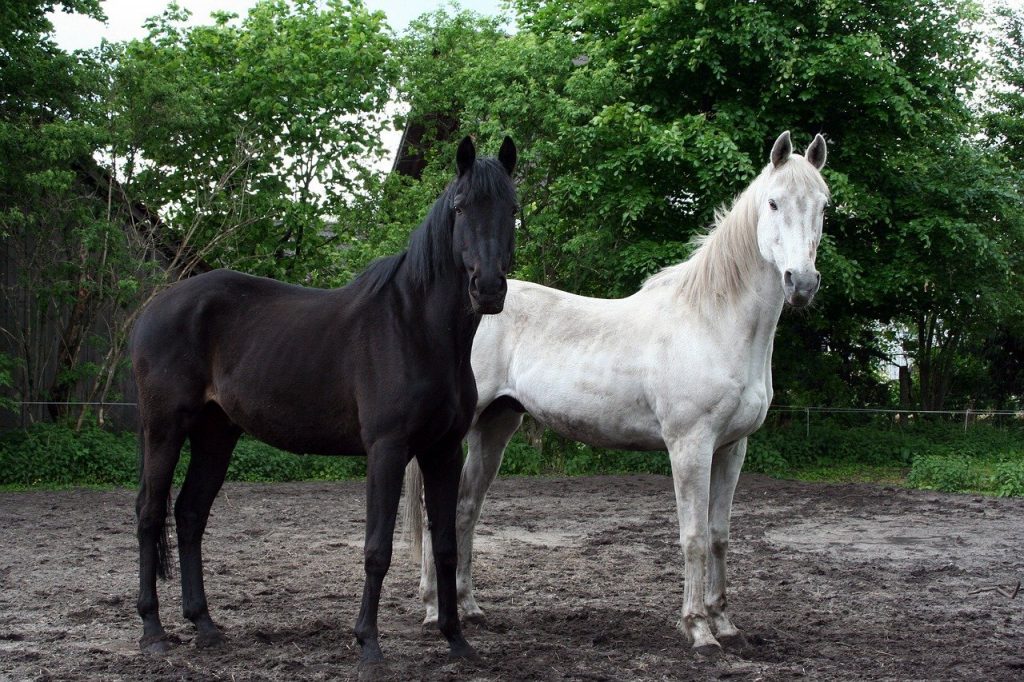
[485, 207]
[791, 210]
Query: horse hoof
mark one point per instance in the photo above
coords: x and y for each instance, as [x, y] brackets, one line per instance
[711, 652]
[156, 644]
[736, 641]
[476, 617]
[209, 639]
[464, 653]
[372, 671]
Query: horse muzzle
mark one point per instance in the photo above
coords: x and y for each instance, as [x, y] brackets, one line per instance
[487, 297]
[800, 286]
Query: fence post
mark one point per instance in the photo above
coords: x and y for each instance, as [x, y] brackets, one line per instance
[807, 419]
[967, 412]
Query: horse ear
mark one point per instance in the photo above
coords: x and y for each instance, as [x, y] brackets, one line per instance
[781, 150]
[507, 154]
[817, 152]
[466, 155]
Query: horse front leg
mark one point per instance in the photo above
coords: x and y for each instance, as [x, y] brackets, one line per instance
[725, 473]
[385, 466]
[487, 441]
[441, 471]
[690, 457]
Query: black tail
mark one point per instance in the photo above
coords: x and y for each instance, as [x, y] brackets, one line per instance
[163, 543]
[163, 547]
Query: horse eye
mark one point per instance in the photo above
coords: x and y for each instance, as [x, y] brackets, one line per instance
[772, 205]
[458, 210]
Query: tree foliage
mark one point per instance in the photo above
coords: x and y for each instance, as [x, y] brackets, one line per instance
[639, 119]
[254, 142]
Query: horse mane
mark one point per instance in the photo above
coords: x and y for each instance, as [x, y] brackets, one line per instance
[720, 267]
[428, 256]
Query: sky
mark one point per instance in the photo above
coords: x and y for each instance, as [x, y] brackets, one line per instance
[125, 17]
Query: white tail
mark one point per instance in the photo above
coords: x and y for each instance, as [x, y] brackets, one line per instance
[412, 516]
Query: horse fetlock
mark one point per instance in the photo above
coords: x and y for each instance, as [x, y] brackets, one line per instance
[697, 629]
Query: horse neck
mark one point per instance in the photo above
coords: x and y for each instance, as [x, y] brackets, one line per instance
[755, 319]
[441, 308]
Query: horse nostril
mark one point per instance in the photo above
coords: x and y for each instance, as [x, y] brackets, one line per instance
[818, 282]
[788, 278]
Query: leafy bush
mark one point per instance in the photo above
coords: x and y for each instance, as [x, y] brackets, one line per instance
[1008, 479]
[948, 473]
[54, 454]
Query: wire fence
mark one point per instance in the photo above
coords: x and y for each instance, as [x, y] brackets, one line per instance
[122, 413]
[967, 416]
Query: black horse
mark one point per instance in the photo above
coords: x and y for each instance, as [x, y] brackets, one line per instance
[379, 367]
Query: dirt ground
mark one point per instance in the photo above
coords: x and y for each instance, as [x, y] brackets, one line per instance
[581, 579]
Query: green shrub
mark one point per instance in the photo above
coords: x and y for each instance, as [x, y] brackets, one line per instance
[948, 473]
[55, 454]
[1008, 479]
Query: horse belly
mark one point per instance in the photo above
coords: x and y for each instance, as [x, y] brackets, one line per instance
[600, 419]
[312, 430]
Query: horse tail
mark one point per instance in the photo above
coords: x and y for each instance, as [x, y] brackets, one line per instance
[163, 546]
[412, 518]
[163, 541]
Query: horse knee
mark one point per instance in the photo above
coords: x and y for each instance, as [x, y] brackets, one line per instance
[376, 562]
[446, 558]
[466, 513]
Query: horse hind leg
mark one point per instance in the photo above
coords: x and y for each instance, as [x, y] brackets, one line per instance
[725, 472]
[213, 440]
[161, 447]
[487, 442]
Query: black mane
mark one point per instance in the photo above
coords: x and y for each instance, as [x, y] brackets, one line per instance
[430, 245]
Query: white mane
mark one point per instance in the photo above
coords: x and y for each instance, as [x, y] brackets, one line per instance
[719, 269]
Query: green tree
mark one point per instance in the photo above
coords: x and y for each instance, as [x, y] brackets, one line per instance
[639, 119]
[256, 138]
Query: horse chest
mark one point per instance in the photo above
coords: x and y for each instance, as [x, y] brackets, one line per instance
[749, 413]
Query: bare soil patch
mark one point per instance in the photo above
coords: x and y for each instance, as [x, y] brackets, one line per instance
[581, 579]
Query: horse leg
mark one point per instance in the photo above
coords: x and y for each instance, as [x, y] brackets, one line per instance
[441, 470]
[487, 441]
[213, 440]
[161, 447]
[691, 472]
[725, 472]
[385, 466]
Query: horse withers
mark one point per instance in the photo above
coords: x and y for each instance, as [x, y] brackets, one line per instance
[380, 367]
[682, 365]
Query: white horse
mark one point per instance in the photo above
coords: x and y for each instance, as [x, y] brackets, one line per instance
[682, 365]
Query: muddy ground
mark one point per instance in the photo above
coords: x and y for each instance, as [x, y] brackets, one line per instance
[581, 579]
